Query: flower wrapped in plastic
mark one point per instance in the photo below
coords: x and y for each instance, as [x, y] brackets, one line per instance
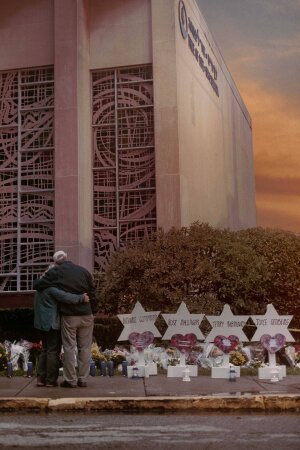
[97, 355]
[256, 355]
[35, 351]
[192, 358]
[18, 354]
[159, 356]
[293, 353]
[150, 353]
[237, 358]
[117, 355]
[211, 356]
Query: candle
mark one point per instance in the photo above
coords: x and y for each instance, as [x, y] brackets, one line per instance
[103, 368]
[232, 374]
[9, 369]
[124, 368]
[135, 373]
[92, 369]
[110, 368]
[29, 369]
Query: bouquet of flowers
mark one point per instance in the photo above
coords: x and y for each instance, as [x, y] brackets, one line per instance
[255, 354]
[18, 354]
[97, 356]
[237, 358]
[293, 354]
[211, 356]
[117, 355]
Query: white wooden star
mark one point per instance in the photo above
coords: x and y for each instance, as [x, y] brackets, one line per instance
[183, 323]
[272, 323]
[139, 321]
[227, 324]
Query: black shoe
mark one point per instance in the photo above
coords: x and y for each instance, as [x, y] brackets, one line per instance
[40, 382]
[66, 384]
[81, 383]
[51, 385]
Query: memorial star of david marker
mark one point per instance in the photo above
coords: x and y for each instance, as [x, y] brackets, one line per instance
[226, 330]
[183, 322]
[272, 332]
[227, 324]
[139, 329]
[183, 330]
[138, 321]
[271, 323]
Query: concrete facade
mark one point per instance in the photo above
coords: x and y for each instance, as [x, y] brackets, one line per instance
[203, 137]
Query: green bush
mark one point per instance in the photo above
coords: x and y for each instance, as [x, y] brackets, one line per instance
[280, 251]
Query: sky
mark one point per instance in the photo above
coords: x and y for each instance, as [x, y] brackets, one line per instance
[260, 43]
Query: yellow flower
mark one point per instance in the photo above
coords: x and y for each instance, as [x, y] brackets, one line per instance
[237, 358]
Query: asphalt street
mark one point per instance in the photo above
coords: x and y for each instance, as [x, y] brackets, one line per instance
[149, 431]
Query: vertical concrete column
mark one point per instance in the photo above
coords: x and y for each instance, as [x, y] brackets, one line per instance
[166, 114]
[73, 160]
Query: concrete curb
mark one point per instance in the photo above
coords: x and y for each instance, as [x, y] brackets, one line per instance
[245, 403]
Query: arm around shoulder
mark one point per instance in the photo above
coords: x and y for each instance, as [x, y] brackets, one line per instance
[46, 281]
[66, 297]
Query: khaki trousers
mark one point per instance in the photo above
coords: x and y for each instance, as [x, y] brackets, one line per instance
[77, 333]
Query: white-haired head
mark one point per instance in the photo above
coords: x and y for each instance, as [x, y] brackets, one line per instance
[59, 257]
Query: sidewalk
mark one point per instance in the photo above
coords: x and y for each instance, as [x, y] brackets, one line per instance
[156, 393]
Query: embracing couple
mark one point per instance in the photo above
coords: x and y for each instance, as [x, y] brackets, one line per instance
[64, 308]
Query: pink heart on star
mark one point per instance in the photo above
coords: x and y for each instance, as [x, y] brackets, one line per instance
[226, 344]
[141, 340]
[184, 343]
[273, 343]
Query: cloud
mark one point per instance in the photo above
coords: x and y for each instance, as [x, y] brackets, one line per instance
[276, 144]
[260, 42]
[278, 186]
[276, 130]
[281, 6]
[278, 212]
[276, 65]
[259, 39]
[284, 47]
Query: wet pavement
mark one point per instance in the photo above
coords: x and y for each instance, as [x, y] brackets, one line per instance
[119, 392]
[156, 385]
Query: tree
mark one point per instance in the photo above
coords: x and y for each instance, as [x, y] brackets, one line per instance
[281, 280]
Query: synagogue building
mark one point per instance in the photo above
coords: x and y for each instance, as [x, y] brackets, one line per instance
[117, 117]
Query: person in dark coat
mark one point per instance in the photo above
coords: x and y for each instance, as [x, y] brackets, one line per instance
[47, 321]
[77, 320]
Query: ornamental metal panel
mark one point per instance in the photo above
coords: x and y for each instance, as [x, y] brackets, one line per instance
[26, 175]
[124, 159]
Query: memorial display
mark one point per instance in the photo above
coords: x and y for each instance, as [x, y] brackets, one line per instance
[272, 331]
[139, 330]
[224, 350]
[183, 331]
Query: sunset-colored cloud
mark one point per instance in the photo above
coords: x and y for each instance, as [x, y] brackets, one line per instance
[276, 144]
[260, 43]
[276, 131]
[275, 211]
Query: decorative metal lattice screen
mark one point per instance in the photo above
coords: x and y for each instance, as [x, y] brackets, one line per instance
[124, 166]
[26, 176]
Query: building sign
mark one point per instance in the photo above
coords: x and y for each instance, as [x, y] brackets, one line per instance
[197, 47]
